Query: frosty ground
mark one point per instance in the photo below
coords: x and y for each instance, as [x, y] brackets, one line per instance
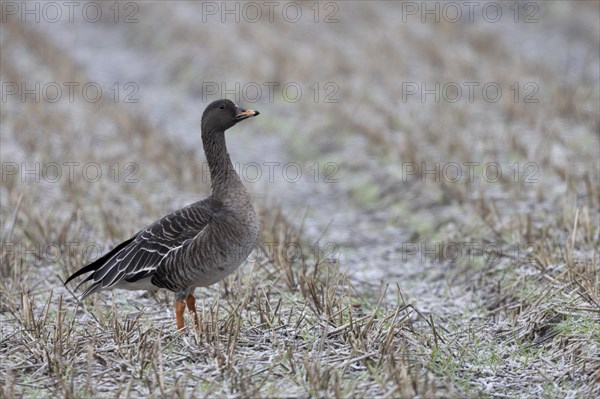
[429, 196]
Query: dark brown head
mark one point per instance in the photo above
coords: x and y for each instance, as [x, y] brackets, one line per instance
[220, 115]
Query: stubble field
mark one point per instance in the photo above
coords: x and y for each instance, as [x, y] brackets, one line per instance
[429, 197]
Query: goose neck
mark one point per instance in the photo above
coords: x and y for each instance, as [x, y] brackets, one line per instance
[223, 176]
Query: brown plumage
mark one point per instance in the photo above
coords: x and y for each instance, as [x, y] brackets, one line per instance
[195, 246]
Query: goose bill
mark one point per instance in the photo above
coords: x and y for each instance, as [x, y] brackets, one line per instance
[245, 113]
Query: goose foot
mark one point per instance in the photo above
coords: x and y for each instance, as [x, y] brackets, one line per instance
[191, 304]
[180, 306]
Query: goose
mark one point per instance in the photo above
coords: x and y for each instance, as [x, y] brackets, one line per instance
[195, 246]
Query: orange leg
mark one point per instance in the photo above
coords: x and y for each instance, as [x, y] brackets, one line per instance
[191, 304]
[179, 308]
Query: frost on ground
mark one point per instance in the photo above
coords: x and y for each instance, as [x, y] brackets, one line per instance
[429, 202]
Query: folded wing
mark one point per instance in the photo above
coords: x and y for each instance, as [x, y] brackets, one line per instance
[138, 258]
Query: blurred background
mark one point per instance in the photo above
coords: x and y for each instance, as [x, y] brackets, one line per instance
[387, 131]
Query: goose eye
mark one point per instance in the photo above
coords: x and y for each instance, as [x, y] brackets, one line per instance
[222, 106]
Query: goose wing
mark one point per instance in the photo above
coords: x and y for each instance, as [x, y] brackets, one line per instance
[139, 257]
